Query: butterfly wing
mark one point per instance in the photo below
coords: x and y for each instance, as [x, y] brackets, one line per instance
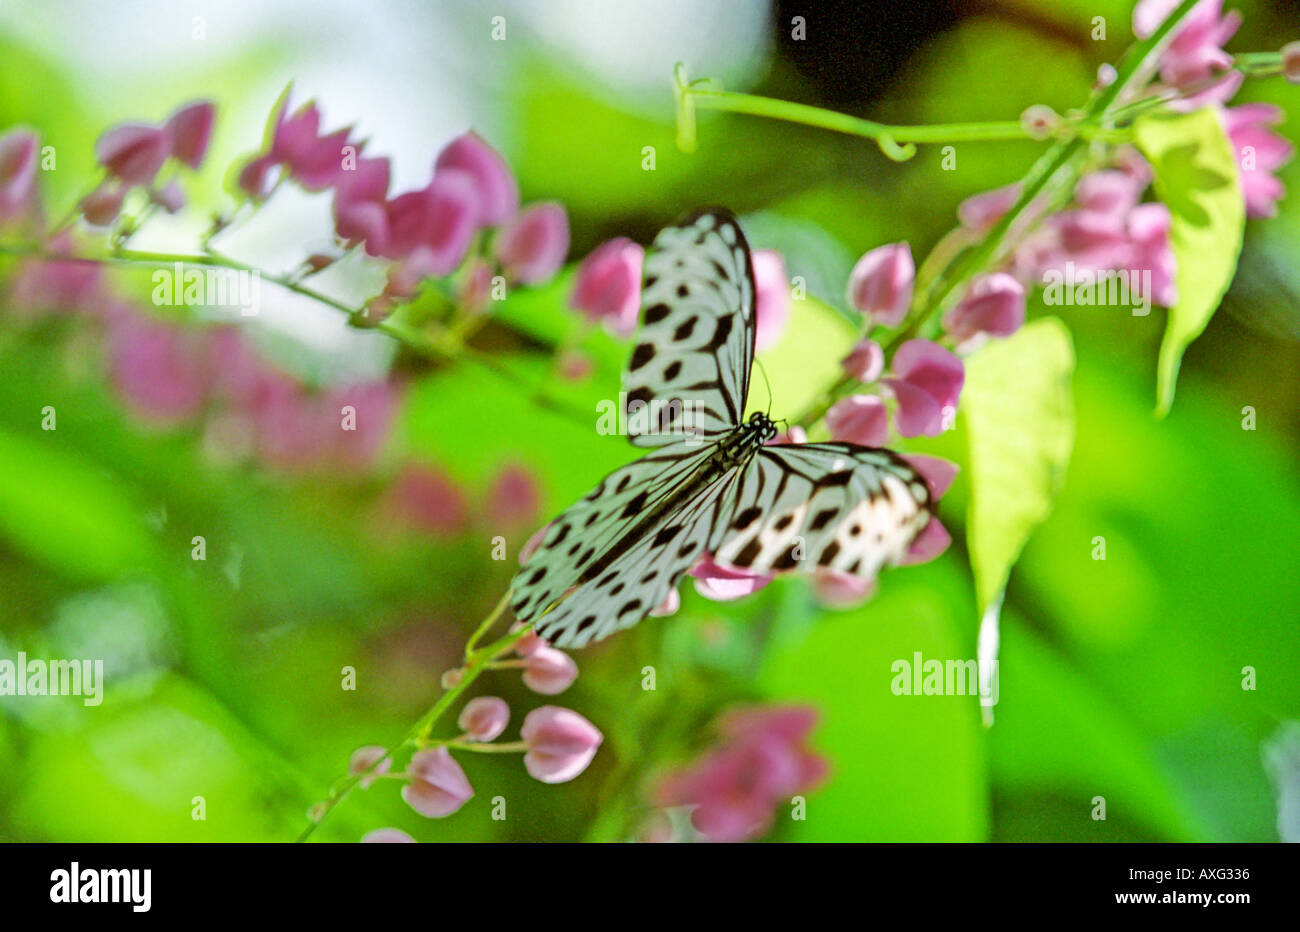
[824, 505]
[620, 580]
[696, 343]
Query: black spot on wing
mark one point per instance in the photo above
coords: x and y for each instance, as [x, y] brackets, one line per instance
[655, 312]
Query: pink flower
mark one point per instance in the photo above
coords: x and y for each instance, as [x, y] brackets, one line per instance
[1259, 153]
[608, 284]
[561, 743]
[101, 206]
[58, 285]
[994, 304]
[928, 383]
[133, 152]
[190, 129]
[1110, 192]
[724, 583]
[387, 836]
[513, 499]
[530, 641]
[495, 186]
[860, 419]
[865, 362]
[1195, 52]
[1148, 228]
[437, 222]
[438, 785]
[838, 589]
[157, 369]
[532, 246]
[484, 718]
[549, 671]
[980, 212]
[427, 499]
[363, 414]
[18, 151]
[362, 759]
[316, 162]
[169, 197]
[934, 537]
[772, 297]
[880, 285]
[762, 761]
[360, 212]
[1089, 239]
[669, 606]
[254, 178]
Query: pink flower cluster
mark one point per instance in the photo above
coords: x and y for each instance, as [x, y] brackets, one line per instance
[762, 760]
[557, 744]
[1196, 63]
[427, 232]
[426, 498]
[607, 289]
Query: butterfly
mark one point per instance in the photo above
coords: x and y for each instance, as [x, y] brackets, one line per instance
[714, 484]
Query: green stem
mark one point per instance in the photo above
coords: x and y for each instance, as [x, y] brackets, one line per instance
[479, 661]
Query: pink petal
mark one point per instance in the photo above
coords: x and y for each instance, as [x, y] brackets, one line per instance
[496, 191]
[860, 419]
[724, 583]
[190, 128]
[133, 152]
[880, 284]
[532, 246]
[772, 297]
[932, 541]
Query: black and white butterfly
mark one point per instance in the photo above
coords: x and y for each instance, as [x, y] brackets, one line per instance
[714, 484]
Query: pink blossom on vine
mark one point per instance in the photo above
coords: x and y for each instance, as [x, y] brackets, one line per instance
[927, 385]
[530, 641]
[58, 285]
[532, 246]
[362, 760]
[437, 786]
[1110, 192]
[190, 129]
[836, 589]
[133, 153]
[561, 743]
[427, 499]
[607, 286]
[1260, 152]
[725, 583]
[1148, 229]
[880, 285]
[513, 498]
[669, 606]
[316, 162]
[496, 187]
[159, 370]
[549, 670]
[484, 718]
[979, 212]
[360, 211]
[101, 206]
[18, 152]
[362, 415]
[771, 296]
[860, 419]
[387, 836]
[1196, 51]
[254, 178]
[934, 537]
[762, 760]
[993, 304]
[865, 362]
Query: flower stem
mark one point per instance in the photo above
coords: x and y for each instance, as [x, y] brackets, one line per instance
[478, 662]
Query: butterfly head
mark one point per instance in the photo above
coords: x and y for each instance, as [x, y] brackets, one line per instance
[762, 427]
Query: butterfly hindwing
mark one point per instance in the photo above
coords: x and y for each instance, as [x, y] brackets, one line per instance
[824, 505]
[695, 346]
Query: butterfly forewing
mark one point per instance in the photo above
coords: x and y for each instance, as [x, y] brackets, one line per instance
[824, 506]
[690, 366]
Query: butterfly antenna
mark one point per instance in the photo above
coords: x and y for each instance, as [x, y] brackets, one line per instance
[766, 383]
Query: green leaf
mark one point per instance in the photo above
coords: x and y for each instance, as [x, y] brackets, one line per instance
[804, 360]
[1196, 176]
[1020, 422]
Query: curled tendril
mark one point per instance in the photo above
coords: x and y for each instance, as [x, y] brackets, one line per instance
[893, 150]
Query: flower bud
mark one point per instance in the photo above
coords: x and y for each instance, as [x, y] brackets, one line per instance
[438, 785]
[532, 247]
[549, 671]
[994, 304]
[497, 191]
[865, 361]
[1039, 121]
[928, 384]
[561, 743]
[133, 153]
[190, 129]
[362, 759]
[484, 718]
[101, 206]
[608, 284]
[880, 285]
[860, 419]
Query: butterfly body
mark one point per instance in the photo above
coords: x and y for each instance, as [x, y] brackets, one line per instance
[716, 486]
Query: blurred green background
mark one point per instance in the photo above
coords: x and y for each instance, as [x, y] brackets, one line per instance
[1119, 678]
